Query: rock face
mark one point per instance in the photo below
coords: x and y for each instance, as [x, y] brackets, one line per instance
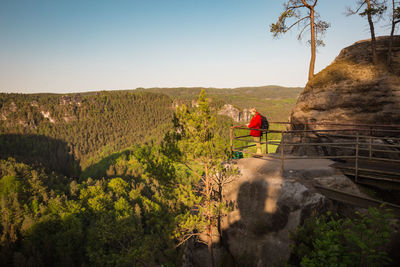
[267, 206]
[71, 100]
[352, 90]
[234, 113]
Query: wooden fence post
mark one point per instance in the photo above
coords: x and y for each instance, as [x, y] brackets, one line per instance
[282, 152]
[231, 137]
[266, 142]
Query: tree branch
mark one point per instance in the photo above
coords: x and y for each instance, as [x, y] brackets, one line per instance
[187, 238]
[307, 5]
[301, 32]
[297, 22]
[358, 9]
[295, 7]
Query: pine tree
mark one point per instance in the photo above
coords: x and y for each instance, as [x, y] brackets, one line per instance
[293, 10]
[201, 144]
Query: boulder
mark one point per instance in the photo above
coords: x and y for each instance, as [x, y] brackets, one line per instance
[352, 90]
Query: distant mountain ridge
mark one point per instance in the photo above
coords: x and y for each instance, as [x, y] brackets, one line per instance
[273, 101]
[270, 91]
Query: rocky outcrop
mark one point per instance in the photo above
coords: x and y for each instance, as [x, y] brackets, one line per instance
[46, 114]
[352, 90]
[35, 104]
[75, 99]
[234, 113]
[13, 107]
[267, 207]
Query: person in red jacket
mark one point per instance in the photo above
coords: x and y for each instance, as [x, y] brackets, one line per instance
[255, 123]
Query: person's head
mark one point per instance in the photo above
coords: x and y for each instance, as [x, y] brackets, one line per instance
[253, 111]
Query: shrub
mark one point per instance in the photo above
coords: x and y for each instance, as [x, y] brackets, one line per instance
[332, 241]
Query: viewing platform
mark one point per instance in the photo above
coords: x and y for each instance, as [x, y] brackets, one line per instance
[368, 154]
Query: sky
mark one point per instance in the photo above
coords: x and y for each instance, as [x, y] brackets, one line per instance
[64, 46]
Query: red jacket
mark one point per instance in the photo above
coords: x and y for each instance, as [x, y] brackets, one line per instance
[255, 123]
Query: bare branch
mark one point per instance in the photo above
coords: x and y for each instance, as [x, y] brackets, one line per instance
[301, 32]
[297, 22]
[187, 237]
[358, 9]
[350, 11]
[307, 5]
[295, 7]
[315, 3]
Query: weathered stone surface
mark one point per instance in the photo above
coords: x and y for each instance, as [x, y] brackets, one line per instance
[353, 90]
[230, 111]
[267, 206]
[350, 91]
[71, 100]
[234, 113]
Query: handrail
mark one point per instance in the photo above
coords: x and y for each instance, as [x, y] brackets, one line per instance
[337, 124]
[361, 143]
[316, 130]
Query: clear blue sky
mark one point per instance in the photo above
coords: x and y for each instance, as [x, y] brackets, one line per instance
[82, 45]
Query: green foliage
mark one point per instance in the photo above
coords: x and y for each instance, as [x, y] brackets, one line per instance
[293, 11]
[126, 220]
[81, 128]
[200, 140]
[377, 8]
[200, 143]
[273, 101]
[132, 204]
[332, 241]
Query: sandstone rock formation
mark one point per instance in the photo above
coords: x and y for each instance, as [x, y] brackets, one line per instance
[71, 100]
[349, 91]
[353, 90]
[267, 206]
[234, 113]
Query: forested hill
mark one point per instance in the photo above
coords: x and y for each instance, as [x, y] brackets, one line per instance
[269, 91]
[273, 101]
[66, 132]
[79, 188]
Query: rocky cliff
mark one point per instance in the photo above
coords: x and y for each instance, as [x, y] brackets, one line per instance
[352, 89]
[268, 205]
[235, 113]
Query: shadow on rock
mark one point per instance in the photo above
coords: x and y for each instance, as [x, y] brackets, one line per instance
[244, 242]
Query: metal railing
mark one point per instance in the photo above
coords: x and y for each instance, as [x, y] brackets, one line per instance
[359, 141]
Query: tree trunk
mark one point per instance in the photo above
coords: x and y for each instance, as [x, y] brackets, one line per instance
[313, 45]
[219, 215]
[209, 219]
[389, 57]
[372, 30]
[209, 244]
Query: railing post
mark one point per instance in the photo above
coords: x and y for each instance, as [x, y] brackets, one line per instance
[231, 138]
[266, 142]
[282, 153]
[357, 148]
